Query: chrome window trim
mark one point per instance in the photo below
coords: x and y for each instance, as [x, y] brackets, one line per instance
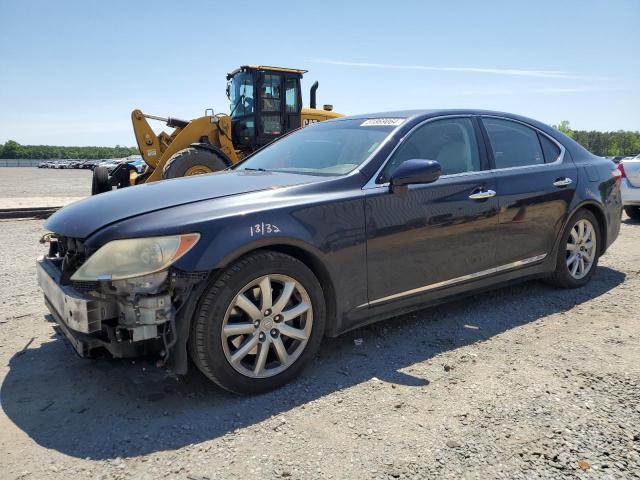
[371, 183]
[557, 161]
[454, 281]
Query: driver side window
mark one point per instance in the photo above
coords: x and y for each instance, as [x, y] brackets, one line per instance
[451, 142]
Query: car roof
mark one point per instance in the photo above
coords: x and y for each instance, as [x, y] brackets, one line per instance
[425, 113]
[413, 117]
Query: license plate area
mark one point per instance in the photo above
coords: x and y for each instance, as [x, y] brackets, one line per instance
[69, 306]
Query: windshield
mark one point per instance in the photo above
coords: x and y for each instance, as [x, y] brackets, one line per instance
[241, 95]
[327, 148]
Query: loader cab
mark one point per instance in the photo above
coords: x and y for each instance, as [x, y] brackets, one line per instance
[266, 102]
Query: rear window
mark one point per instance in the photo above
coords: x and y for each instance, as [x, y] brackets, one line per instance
[513, 144]
[550, 149]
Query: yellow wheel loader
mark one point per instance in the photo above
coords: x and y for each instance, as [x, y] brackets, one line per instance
[266, 102]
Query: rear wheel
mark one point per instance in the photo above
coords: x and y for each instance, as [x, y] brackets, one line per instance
[632, 211]
[193, 161]
[578, 252]
[259, 323]
[100, 183]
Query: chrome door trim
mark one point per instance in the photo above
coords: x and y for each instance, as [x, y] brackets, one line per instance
[453, 281]
[483, 195]
[563, 182]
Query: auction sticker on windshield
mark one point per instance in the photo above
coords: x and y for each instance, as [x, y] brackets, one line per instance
[382, 121]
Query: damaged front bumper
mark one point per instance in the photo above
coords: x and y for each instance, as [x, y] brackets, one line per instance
[125, 325]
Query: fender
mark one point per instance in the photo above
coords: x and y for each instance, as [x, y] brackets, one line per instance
[591, 204]
[265, 243]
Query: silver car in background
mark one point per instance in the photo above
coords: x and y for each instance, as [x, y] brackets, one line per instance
[630, 186]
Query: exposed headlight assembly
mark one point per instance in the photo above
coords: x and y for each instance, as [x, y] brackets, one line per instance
[134, 257]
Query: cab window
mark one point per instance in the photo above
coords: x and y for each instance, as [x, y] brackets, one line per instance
[291, 95]
[241, 95]
[271, 93]
[451, 142]
[513, 144]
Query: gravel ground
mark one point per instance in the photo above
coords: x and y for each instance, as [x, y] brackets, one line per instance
[22, 187]
[523, 382]
[36, 182]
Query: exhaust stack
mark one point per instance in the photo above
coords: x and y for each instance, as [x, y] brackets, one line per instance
[312, 95]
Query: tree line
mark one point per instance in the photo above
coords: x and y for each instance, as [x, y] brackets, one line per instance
[606, 144]
[14, 150]
[600, 143]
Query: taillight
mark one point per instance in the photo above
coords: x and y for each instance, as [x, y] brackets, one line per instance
[618, 175]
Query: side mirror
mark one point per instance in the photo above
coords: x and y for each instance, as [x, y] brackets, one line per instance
[415, 171]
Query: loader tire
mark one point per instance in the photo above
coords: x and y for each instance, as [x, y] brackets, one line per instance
[192, 161]
[100, 183]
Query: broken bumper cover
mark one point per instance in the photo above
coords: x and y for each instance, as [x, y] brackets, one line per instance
[82, 319]
[71, 307]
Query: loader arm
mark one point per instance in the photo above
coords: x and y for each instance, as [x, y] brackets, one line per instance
[148, 142]
[158, 150]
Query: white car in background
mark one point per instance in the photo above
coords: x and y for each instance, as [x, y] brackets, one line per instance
[630, 185]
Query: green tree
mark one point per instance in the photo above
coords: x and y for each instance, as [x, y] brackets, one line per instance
[10, 149]
[565, 128]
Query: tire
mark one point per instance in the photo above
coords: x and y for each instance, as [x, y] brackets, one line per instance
[192, 159]
[563, 276]
[100, 183]
[211, 349]
[632, 212]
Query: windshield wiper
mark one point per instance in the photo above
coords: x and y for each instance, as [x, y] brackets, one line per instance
[256, 169]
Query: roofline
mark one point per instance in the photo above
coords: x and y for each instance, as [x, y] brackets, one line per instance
[265, 67]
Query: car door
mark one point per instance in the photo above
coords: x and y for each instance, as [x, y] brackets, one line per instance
[435, 234]
[535, 183]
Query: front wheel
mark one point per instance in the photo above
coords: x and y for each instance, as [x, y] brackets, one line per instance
[578, 252]
[259, 323]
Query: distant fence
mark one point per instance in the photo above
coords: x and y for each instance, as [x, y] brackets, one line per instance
[19, 162]
[32, 162]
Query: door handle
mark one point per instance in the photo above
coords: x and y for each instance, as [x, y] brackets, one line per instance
[562, 182]
[482, 195]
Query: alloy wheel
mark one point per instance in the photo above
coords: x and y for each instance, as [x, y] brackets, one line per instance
[581, 249]
[267, 326]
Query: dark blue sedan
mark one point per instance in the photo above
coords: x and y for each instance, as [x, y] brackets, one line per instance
[337, 225]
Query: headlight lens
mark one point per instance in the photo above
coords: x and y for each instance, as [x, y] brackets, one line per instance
[135, 257]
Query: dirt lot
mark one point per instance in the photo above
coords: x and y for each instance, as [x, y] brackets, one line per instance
[23, 187]
[523, 382]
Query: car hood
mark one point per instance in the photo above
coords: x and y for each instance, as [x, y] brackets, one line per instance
[81, 219]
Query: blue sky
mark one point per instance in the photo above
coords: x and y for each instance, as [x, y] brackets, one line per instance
[72, 71]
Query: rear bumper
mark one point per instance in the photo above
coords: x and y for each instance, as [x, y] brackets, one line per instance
[630, 194]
